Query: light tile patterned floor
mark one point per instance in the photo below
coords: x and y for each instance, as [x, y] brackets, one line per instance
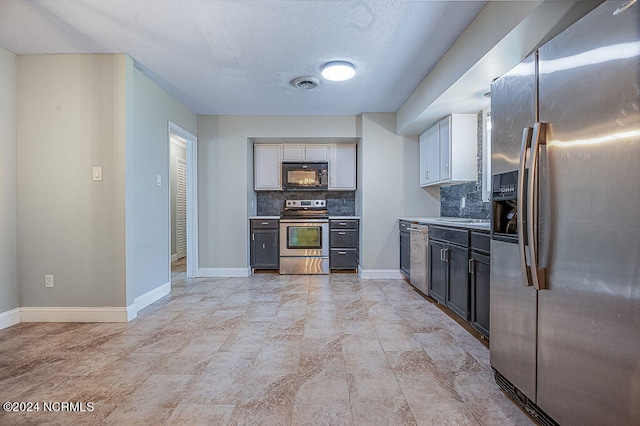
[270, 350]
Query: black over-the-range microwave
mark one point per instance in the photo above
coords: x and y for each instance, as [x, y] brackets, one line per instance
[305, 176]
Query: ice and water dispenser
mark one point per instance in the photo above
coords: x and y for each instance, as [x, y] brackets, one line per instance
[504, 207]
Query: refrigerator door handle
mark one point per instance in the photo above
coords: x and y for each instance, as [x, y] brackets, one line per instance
[522, 247]
[539, 139]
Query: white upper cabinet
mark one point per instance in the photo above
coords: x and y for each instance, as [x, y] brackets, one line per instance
[448, 151]
[305, 152]
[267, 160]
[430, 156]
[293, 153]
[342, 168]
[316, 153]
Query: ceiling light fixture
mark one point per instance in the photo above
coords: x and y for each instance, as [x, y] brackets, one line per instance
[338, 70]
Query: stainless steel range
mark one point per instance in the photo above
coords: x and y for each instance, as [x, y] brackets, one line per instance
[304, 237]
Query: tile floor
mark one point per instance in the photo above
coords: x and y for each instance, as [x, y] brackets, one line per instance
[270, 350]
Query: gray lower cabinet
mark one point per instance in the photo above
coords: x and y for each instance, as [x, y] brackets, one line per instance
[449, 273]
[479, 268]
[265, 247]
[343, 243]
[459, 273]
[405, 248]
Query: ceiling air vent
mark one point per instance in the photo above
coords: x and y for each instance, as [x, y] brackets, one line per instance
[306, 83]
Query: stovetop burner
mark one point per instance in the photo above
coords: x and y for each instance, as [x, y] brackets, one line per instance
[305, 209]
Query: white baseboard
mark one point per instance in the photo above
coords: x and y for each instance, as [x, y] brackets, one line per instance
[149, 297]
[83, 314]
[174, 257]
[379, 274]
[224, 272]
[9, 318]
[74, 314]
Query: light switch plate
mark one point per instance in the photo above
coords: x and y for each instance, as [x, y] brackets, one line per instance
[97, 173]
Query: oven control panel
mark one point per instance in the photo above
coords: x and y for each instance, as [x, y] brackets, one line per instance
[305, 203]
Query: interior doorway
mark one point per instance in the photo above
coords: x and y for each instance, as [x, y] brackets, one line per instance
[183, 244]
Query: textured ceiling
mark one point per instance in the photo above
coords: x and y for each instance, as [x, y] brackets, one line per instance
[239, 57]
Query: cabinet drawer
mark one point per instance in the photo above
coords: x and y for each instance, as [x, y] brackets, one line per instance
[403, 226]
[264, 223]
[343, 259]
[480, 242]
[343, 239]
[343, 224]
[452, 235]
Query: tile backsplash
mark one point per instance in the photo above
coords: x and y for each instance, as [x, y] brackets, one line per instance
[451, 195]
[339, 203]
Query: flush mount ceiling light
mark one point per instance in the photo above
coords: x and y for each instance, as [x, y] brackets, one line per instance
[338, 70]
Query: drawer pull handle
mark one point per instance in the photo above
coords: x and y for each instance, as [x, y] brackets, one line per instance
[342, 252]
[342, 223]
[342, 233]
[265, 223]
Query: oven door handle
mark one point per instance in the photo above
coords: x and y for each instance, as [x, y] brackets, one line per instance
[311, 222]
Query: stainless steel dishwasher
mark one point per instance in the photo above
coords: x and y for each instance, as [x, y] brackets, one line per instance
[419, 273]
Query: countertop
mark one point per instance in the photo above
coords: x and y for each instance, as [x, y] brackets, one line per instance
[461, 222]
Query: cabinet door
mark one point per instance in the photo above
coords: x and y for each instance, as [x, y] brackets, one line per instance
[463, 134]
[445, 149]
[429, 156]
[293, 152]
[437, 272]
[480, 270]
[267, 167]
[458, 284]
[342, 168]
[405, 253]
[316, 153]
[264, 249]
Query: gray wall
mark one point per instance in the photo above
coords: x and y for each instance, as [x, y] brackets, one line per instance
[8, 261]
[175, 152]
[225, 183]
[389, 169]
[105, 242]
[71, 117]
[147, 203]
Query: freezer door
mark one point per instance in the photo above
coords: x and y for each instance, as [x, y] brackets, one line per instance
[513, 305]
[589, 231]
[513, 107]
[512, 319]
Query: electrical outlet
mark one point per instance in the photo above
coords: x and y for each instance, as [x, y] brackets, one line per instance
[463, 202]
[48, 280]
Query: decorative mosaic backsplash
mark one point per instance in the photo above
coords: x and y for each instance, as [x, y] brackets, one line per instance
[451, 195]
[339, 203]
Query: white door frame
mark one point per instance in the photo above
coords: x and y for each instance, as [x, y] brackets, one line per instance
[192, 198]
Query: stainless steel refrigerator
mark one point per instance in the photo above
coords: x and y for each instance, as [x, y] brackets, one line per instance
[565, 249]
